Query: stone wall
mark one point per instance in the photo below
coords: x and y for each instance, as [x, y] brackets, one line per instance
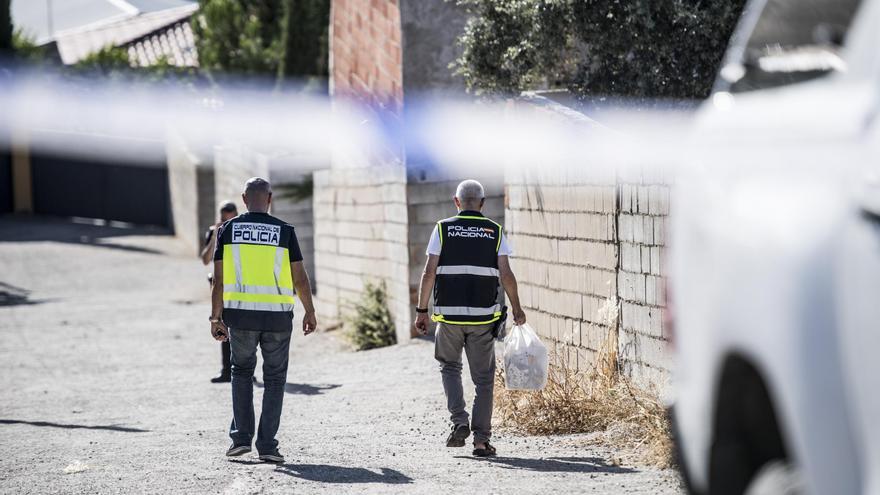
[365, 54]
[361, 235]
[429, 32]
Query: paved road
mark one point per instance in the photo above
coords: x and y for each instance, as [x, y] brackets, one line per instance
[106, 356]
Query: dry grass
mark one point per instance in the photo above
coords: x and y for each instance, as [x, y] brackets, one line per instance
[586, 402]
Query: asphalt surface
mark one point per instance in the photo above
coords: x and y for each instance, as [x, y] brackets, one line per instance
[106, 359]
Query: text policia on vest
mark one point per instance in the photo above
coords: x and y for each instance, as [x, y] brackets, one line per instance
[470, 231]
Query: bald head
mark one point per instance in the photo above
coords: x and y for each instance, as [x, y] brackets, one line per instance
[469, 195]
[257, 195]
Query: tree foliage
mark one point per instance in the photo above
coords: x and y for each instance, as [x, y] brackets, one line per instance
[236, 36]
[304, 29]
[262, 37]
[638, 49]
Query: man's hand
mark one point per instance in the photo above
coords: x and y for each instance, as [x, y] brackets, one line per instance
[219, 331]
[310, 323]
[422, 323]
[519, 316]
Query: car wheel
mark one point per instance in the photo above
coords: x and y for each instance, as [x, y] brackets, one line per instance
[777, 478]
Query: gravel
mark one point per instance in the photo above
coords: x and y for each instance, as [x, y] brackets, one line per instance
[107, 357]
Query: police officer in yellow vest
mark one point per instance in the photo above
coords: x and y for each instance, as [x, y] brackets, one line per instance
[257, 263]
[467, 257]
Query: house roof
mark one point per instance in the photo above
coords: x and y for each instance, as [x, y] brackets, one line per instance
[43, 19]
[78, 43]
[176, 43]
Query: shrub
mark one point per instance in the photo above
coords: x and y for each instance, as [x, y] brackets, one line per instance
[637, 49]
[370, 324]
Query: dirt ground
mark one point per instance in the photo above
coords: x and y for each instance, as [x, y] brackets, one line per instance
[106, 359]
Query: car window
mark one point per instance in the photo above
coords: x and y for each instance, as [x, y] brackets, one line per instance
[792, 41]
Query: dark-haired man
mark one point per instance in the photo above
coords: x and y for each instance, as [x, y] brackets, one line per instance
[228, 211]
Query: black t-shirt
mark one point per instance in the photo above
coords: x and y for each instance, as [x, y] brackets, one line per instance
[208, 235]
[273, 321]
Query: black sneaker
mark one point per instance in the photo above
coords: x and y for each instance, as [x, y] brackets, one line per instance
[458, 435]
[224, 377]
[237, 450]
[487, 451]
[273, 456]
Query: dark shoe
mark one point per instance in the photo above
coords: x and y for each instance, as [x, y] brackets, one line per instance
[223, 377]
[237, 450]
[488, 451]
[458, 435]
[273, 456]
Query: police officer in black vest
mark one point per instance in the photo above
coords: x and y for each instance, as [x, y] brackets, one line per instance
[467, 257]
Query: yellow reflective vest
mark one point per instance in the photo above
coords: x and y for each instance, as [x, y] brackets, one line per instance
[258, 293]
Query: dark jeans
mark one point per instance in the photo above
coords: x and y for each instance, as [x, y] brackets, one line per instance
[225, 356]
[274, 347]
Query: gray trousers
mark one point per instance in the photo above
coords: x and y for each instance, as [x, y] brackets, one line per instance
[479, 345]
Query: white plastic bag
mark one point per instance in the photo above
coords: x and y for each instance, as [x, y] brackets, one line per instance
[525, 360]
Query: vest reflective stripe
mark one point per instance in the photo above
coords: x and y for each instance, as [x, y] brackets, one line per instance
[441, 319]
[258, 278]
[236, 257]
[483, 271]
[467, 310]
[257, 306]
[259, 289]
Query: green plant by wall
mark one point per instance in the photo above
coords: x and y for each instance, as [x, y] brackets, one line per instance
[370, 325]
[25, 48]
[636, 49]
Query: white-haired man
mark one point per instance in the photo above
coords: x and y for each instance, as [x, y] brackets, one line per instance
[467, 256]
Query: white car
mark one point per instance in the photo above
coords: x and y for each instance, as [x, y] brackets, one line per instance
[774, 264]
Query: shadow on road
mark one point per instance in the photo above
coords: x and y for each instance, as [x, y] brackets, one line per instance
[337, 474]
[124, 429]
[93, 233]
[303, 388]
[556, 464]
[11, 295]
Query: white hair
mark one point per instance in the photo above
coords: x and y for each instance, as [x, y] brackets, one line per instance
[470, 191]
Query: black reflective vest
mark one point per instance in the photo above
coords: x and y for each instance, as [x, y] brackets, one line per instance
[466, 286]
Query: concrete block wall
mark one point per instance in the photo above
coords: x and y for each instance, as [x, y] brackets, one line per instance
[234, 164]
[565, 259]
[191, 184]
[644, 207]
[590, 243]
[361, 235]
